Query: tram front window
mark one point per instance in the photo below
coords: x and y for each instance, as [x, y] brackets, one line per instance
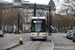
[38, 26]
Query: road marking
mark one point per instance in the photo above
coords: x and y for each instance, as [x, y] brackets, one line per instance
[52, 44]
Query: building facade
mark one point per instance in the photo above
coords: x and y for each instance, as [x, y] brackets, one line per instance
[39, 12]
[29, 12]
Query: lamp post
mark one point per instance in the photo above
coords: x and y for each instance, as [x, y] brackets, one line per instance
[18, 22]
[35, 10]
[1, 21]
[47, 19]
[47, 23]
[50, 21]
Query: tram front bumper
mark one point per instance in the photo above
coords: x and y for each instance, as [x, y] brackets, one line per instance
[40, 37]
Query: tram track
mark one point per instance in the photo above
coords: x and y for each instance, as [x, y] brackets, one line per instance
[32, 45]
[38, 46]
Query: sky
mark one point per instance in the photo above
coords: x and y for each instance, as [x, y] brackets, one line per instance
[34, 1]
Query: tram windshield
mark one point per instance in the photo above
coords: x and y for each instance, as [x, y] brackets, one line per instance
[38, 26]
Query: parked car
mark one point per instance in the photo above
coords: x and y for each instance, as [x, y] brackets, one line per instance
[70, 35]
[10, 31]
[1, 33]
[68, 32]
[73, 37]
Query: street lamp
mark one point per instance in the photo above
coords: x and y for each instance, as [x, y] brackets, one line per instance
[1, 21]
[50, 21]
[35, 10]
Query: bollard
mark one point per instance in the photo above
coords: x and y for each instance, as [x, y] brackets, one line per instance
[47, 33]
[21, 42]
[20, 33]
[57, 31]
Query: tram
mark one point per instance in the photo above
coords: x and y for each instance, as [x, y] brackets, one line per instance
[38, 28]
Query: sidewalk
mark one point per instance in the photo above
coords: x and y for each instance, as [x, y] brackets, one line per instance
[14, 35]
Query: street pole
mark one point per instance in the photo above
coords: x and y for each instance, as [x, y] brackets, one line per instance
[47, 18]
[74, 24]
[47, 23]
[1, 21]
[50, 21]
[35, 10]
[18, 21]
[20, 42]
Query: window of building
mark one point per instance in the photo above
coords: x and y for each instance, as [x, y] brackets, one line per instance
[32, 15]
[32, 10]
[26, 15]
[26, 10]
[26, 19]
[29, 19]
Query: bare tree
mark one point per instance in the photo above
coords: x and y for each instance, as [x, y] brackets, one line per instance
[1, 9]
[68, 7]
[11, 17]
[67, 10]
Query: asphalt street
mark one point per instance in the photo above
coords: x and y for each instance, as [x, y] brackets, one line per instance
[10, 39]
[60, 42]
[35, 45]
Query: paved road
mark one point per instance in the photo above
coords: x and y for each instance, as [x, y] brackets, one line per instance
[10, 39]
[35, 45]
[62, 43]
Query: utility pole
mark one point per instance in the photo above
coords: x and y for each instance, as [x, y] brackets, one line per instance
[35, 10]
[50, 21]
[18, 22]
[47, 19]
[1, 21]
[47, 23]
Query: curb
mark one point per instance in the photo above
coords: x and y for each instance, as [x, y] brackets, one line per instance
[52, 44]
[12, 46]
